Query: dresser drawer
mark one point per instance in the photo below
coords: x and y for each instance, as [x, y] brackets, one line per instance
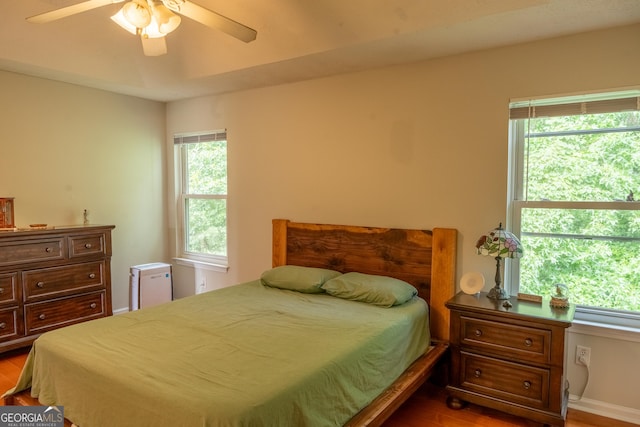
[66, 280]
[9, 324]
[86, 245]
[505, 340]
[28, 251]
[8, 289]
[514, 382]
[41, 317]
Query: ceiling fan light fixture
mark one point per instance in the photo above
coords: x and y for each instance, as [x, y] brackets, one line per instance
[137, 13]
[119, 19]
[153, 19]
[166, 20]
[152, 31]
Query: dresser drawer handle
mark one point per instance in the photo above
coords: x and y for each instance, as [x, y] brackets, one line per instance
[477, 373]
[48, 250]
[1, 291]
[42, 317]
[527, 385]
[92, 276]
[40, 285]
[3, 325]
[93, 305]
[87, 245]
[478, 333]
[528, 342]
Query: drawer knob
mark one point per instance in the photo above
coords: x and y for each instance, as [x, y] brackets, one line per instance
[3, 325]
[87, 245]
[40, 285]
[92, 276]
[527, 385]
[528, 342]
[478, 333]
[93, 305]
[42, 317]
[477, 373]
[1, 291]
[48, 250]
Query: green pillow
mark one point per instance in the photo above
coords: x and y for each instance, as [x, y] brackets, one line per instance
[296, 278]
[378, 290]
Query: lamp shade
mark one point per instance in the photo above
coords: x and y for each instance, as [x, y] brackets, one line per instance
[119, 19]
[133, 17]
[138, 14]
[166, 20]
[499, 243]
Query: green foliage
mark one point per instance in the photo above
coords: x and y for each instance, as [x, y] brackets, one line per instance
[205, 203]
[600, 271]
[207, 226]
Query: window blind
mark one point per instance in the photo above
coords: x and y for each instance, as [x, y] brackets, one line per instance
[519, 111]
[201, 137]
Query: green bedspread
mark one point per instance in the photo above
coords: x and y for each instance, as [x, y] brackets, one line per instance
[246, 355]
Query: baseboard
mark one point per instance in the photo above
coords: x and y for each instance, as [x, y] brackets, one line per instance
[616, 412]
[120, 311]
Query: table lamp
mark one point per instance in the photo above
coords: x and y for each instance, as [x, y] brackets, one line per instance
[499, 243]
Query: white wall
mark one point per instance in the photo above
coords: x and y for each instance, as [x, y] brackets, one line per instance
[66, 148]
[608, 382]
[419, 145]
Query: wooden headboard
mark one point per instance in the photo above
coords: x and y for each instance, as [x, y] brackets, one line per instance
[424, 258]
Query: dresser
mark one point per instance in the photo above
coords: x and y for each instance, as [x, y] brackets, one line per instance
[509, 358]
[51, 278]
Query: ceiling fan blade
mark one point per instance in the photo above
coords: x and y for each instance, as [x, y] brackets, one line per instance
[217, 21]
[70, 10]
[154, 46]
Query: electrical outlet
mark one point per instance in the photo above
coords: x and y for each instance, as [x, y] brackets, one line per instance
[583, 355]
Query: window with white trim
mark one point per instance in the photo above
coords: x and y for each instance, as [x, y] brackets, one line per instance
[575, 169]
[202, 209]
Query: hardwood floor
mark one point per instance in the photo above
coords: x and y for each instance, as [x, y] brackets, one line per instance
[11, 364]
[427, 407]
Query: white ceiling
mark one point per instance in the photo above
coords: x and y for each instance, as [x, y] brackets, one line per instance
[297, 40]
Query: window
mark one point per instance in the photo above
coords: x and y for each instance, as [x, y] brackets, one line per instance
[203, 196]
[575, 168]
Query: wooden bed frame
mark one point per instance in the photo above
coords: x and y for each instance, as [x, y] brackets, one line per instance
[424, 258]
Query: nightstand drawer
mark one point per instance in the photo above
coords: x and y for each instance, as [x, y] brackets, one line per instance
[505, 340]
[505, 380]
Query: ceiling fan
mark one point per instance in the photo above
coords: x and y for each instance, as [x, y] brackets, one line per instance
[152, 20]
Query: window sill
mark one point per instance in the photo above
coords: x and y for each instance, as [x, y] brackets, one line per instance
[205, 265]
[604, 329]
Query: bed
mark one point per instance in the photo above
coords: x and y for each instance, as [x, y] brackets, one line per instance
[306, 357]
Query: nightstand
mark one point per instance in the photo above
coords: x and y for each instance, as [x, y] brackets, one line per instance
[510, 359]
